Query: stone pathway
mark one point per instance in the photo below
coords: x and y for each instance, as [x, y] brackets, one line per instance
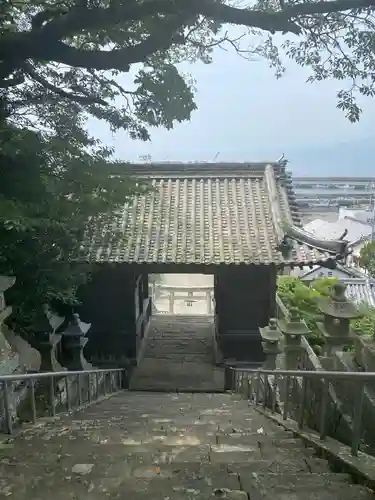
[179, 356]
[159, 446]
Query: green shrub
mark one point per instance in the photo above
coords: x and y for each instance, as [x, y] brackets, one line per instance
[295, 293]
[366, 324]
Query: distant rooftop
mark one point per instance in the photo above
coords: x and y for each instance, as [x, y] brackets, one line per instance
[361, 291]
[357, 230]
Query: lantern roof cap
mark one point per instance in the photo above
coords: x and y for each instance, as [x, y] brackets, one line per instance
[74, 327]
[337, 305]
[271, 332]
[294, 325]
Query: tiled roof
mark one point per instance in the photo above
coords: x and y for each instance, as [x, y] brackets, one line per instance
[207, 214]
[361, 291]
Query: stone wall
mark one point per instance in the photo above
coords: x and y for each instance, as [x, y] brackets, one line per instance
[16, 355]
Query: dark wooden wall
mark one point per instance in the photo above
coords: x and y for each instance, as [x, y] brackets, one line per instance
[117, 305]
[245, 300]
[114, 303]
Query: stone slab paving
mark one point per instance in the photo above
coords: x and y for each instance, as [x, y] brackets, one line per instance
[161, 446]
[179, 356]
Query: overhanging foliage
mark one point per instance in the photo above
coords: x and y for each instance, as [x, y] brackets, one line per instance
[76, 48]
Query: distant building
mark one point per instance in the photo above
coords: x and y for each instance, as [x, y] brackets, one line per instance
[361, 291]
[359, 288]
[364, 216]
[340, 272]
[358, 232]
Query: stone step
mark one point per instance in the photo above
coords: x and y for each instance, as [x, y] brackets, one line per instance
[93, 482]
[173, 347]
[163, 449]
[307, 488]
[173, 376]
[179, 340]
[176, 346]
[181, 358]
[167, 446]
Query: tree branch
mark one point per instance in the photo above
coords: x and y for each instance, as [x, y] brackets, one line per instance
[55, 50]
[45, 40]
[63, 93]
[268, 21]
[279, 20]
[79, 19]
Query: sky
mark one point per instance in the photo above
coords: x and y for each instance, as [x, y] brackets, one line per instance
[245, 114]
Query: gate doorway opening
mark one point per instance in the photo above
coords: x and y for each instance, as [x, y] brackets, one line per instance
[182, 294]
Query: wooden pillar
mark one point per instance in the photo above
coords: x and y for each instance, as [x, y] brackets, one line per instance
[140, 295]
[109, 305]
[209, 302]
[145, 286]
[245, 299]
[272, 282]
[171, 302]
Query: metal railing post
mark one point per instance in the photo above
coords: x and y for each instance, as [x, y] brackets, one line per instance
[97, 387]
[286, 397]
[265, 392]
[357, 421]
[52, 395]
[32, 401]
[67, 390]
[89, 388]
[228, 378]
[324, 410]
[7, 408]
[257, 389]
[251, 389]
[246, 387]
[105, 384]
[274, 394]
[79, 390]
[303, 403]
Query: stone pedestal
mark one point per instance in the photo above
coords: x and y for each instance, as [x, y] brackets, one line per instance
[337, 312]
[45, 341]
[293, 329]
[270, 342]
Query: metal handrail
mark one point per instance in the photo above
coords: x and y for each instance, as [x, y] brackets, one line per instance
[331, 375]
[263, 387]
[99, 383]
[31, 376]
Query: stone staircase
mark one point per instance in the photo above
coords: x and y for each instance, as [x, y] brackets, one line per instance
[167, 446]
[178, 356]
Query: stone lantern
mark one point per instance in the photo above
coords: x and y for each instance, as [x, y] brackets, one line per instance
[72, 344]
[270, 342]
[45, 341]
[293, 329]
[337, 313]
